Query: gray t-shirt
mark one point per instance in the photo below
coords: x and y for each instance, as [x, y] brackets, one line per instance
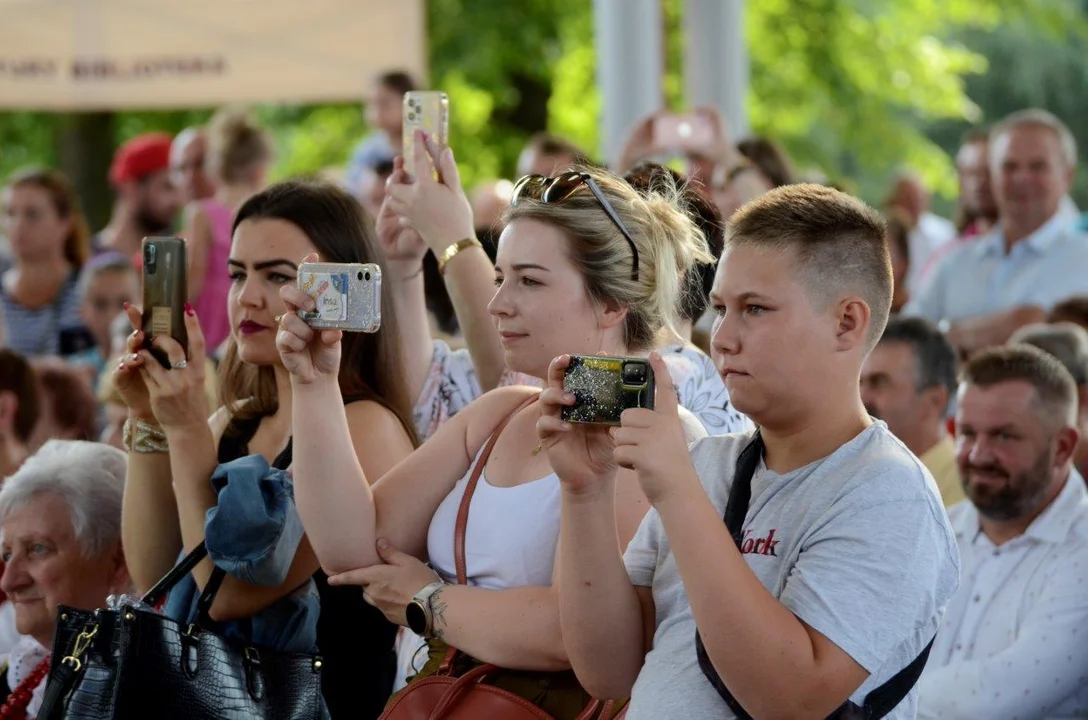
[857, 545]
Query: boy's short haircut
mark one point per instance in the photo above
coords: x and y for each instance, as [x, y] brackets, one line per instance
[840, 243]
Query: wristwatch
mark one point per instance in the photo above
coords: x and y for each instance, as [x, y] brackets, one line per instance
[418, 613]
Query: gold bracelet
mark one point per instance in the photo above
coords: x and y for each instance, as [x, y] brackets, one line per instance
[140, 436]
[449, 253]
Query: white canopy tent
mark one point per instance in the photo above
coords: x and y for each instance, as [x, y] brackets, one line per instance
[69, 55]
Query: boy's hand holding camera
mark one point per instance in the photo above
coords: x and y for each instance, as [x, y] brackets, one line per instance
[652, 442]
[649, 442]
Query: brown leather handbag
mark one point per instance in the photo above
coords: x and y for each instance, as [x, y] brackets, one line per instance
[444, 696]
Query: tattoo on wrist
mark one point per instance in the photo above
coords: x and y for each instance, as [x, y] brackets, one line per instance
[438, 614]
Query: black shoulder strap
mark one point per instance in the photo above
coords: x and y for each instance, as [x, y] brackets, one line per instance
[880, 701]
[736, 508]
[172, 578]
[286, 456]
[234, 443]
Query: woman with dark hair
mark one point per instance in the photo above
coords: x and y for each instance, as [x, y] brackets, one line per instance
[39, 294]
[169, 439]
[68, 410]
[20, 408]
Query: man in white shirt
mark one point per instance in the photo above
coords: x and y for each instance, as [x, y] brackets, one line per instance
[1013, 641]
[1036, 255]
[908, 381]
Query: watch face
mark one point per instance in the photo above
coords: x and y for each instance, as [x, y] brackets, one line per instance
[417, 618]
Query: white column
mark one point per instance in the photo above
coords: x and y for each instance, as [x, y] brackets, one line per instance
[629, 67]
[716, 59]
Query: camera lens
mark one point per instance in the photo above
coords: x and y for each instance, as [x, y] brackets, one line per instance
[359, 276]
[367, 277]
[634, 373]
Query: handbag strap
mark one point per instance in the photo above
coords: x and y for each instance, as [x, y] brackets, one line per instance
[207, 597]
[59, 683]
[460, 527]
[461, 524]
[179, 572]
[878, 702]
[176, 575]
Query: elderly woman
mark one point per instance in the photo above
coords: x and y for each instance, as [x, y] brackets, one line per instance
[60, 539]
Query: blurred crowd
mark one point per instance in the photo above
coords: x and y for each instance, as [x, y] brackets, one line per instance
[107, 455]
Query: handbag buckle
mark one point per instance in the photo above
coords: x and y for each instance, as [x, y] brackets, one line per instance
[83, 641]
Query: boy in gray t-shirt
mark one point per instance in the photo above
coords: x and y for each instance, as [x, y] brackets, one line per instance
[856, 545]
[846, 560]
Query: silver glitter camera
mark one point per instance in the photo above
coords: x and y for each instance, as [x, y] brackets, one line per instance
[603, 387]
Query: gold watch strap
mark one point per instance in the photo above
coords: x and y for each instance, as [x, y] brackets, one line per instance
[449, 253]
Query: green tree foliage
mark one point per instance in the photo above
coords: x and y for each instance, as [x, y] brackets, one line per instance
[848, 86]
[1030, 67]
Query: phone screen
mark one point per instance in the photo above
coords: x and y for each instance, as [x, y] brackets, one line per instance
[682, 132]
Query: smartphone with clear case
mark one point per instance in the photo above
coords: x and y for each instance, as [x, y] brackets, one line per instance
[429, 111]
[348, 296]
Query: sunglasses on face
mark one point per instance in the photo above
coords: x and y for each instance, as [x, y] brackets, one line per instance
[552, 190]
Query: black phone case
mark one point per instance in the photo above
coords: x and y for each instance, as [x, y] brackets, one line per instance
[601, 394]
[166, 289]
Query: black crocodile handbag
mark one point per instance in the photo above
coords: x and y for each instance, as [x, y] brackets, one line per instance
[134, 663]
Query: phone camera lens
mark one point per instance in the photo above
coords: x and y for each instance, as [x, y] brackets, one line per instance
[634, 373]
[367, 277]
[359, 276]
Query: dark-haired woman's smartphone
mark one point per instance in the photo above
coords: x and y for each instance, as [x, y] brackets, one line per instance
[603, 387]
[166, 288]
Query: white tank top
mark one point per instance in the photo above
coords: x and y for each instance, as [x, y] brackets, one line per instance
[511, 536]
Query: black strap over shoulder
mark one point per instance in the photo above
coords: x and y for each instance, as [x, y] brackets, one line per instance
[880, 701]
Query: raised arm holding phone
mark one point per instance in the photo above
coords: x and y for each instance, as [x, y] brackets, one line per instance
[594, 269]
[223, 480]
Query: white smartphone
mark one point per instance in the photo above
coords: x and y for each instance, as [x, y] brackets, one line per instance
[348, 296]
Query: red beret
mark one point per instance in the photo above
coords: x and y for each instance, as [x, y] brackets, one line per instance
[140, 156]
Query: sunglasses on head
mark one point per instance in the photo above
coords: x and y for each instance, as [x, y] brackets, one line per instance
[551, 190]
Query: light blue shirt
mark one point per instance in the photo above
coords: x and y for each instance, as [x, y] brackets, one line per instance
[1043, 269]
